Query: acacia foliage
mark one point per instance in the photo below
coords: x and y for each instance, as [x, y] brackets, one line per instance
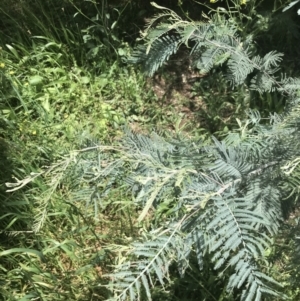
[222, 198]
[212, 42]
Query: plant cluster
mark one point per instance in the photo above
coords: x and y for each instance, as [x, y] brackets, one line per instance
[51, 101]
[137, 216]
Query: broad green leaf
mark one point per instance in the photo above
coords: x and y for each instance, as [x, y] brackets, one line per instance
[22, 250]
[35, 80]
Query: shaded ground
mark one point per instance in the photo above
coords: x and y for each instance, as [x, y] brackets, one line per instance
[172, 85]
[184, 92]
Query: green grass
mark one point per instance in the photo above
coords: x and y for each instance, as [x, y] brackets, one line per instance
[52, 247]
[62, 84]
[50, 103]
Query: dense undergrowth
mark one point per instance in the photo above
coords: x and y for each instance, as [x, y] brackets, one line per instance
[65, 84]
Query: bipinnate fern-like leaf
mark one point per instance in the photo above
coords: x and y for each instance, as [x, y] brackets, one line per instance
[160, 51]
[212, 43]
[235, 242]
[149, 264]
[231, 202]
[223, 198]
